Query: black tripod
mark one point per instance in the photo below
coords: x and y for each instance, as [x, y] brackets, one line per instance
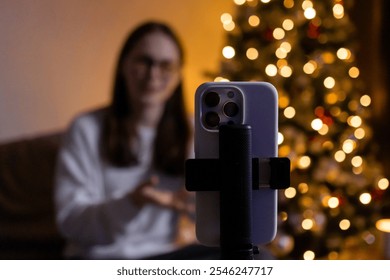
[235, 174]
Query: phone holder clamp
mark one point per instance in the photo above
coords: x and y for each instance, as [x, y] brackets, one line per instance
[205, 174]
[236, 174]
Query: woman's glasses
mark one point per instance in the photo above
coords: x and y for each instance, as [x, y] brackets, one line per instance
[166, 68]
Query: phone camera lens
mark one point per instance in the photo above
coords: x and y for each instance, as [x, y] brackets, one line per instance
[230, 109]
[212, 119]
[211, 99]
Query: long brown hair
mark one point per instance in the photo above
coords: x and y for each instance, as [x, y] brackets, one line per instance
[173, 131]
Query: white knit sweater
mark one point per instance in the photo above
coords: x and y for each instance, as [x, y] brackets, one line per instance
[93, 213]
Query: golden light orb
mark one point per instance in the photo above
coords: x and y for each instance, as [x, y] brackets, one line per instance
[359, 133]
[344, 224]
[280, 53]
[333, 202]
[310, 67]
[331, 98]
[239, 2]
[228, 52]
[286, 71]
[307, 224]
[365, 100]
[290, 192]
[329, 82]
[221, 79]
[324, 129]
[338, 11]
[365, 198]
[304, 162]
[303, 187]
[271, 70]
[348, 146]
[289, 112]
[226, 18]
[343, 53]
[288, 24]
[309, 255]
[355, 121]
[286, 46]
[307, 4]
[254, 21]
[288, 4]
[278, 33]
[280, 138]
[383, 184]
[357, 161]
[354, 72]
[340, 156]
[252, 53]
[230, 26]
[310, 13]
[284, 101]
[317, 124]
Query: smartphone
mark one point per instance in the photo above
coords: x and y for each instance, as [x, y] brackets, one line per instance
[249, 103]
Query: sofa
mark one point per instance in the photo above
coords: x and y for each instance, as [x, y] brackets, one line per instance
[27, 223]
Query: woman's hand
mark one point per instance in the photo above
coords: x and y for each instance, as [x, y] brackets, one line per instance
[148, 193]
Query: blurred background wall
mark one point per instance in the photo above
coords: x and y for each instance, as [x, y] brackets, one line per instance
[57, 57]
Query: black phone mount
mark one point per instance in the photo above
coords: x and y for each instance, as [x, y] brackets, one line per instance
[235, 175]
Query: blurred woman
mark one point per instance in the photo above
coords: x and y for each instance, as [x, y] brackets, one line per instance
[119, 186]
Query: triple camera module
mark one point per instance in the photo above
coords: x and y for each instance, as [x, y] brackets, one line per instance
[222, 106]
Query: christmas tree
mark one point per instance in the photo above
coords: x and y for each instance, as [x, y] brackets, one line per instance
[307, 50]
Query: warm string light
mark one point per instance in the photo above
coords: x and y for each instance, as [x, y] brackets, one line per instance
[288, 24]
[317, 124]
[252, 53]
[289, 4]
[290, 192]
[239, 2]
[348, 146]
[344, 224]
[304, 162]
[344, 54]
[329, 82]
[340, 156]
[365, 198]
[280, 138]
[309, 255]
[354, 72]
[355, 121]
[228, 52]
[279, 33]
[359, 133]
[254, 21]
[289, 112]
[365, 100]
[383, 184]
[271, 70]
[310, 67]
[308, 9]
[307, 224]
[221, 79]
[333, 202]
[338, 11]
